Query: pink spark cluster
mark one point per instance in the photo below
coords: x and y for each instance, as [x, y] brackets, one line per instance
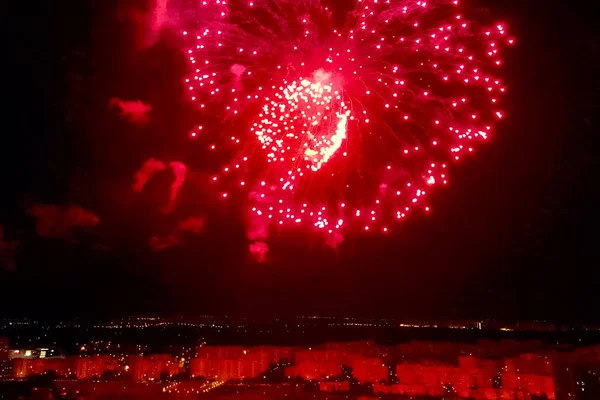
[341, 129]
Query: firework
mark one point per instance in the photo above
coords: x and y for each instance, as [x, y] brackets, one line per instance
[341, 128]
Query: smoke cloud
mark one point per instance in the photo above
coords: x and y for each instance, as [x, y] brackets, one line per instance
[256, 232]
[160, 15]
[334, 239]
[149, 21]
[133, 111]
[159, 244]
[258, 251]
[190, 225]
[150, 168]
[180, 170]
[60, 221]
[193, 225]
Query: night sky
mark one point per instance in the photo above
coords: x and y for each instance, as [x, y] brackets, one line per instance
[512, 237]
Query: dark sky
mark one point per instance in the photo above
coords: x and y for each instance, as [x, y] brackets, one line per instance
[513, 237]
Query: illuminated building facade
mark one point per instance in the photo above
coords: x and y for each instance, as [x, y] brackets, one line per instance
[310, 370]
[5, 366]
[236, 362]
[334, 386]
[153, 367]
[372, 370]
[64, 367]
[3, 349]
[94, 366]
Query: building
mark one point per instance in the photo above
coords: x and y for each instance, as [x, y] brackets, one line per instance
[529, 373]
[236, 362]
[94, 366]
[3, 349]
[343, 386]
[372, 370]
[309, 370]
[227, 369]
[5, 365]
[153, 367]
[63, 367]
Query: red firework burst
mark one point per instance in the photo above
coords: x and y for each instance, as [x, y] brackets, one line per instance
[342, 128]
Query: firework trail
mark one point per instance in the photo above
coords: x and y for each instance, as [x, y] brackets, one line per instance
[340, 129]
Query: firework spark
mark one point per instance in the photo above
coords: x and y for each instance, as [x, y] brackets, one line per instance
[341, 129]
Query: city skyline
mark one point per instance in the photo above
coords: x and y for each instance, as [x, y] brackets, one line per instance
[486, 369]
